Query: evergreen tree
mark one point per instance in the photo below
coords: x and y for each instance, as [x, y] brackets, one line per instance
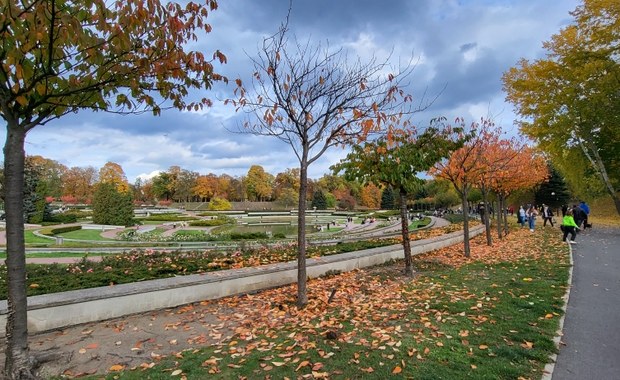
[111, 206]
[554, 192]
[387, 199]
[319, 201]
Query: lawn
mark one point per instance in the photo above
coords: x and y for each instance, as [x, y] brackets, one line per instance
[85, 234]
[493, 316]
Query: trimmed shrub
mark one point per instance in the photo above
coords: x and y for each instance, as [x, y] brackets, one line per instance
[59, 230]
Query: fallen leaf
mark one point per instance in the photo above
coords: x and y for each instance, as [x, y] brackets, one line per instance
[527, 345]
[483, 346]
[117, 367]
[301, 365]
[317, 366]
[176, 372]
[397, 370]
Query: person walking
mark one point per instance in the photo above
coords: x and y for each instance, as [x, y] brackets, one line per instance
[579, 215]
[521, 216]
[569, 227]
[531, 214]
[586, 209]
[547, 215]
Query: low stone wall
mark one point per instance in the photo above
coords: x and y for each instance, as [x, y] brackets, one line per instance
[53, 311]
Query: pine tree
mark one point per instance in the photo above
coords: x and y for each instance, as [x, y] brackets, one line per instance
[387, 199]
[319, 201]
[111, 206]
[554, 192]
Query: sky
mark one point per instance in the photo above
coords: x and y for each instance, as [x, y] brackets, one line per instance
[461, 49]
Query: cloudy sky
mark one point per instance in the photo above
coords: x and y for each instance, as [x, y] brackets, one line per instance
[461, 46]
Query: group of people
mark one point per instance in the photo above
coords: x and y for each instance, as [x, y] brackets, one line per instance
[573, 218]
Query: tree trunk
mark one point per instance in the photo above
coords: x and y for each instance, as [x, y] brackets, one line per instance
[500, 213]
[616, 202]
[405, 231]
[486, 216]
[18, 364]
[302, 277]
[466, 250]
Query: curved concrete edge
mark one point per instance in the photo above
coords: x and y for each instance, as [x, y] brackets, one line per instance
[548, 370]
[58, 310]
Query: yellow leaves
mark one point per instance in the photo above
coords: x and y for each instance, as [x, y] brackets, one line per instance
[116, 368]
[527, 345]
[34, 286]
[527, 279]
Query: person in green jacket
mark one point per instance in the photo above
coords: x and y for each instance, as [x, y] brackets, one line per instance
[569, 226]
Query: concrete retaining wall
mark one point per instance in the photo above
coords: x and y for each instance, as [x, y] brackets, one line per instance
[53, 311]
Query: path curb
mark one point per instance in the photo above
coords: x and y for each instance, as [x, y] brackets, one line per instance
[548, 370]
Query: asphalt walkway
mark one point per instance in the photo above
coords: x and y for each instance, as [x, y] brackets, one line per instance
[590, 345]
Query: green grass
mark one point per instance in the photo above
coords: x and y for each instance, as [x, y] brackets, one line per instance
[478, 321]
[83, 234]
[31, 238]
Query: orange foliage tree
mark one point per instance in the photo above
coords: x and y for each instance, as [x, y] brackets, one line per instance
[522, 168]
[59, 57]
[463, 168]
[370, 196]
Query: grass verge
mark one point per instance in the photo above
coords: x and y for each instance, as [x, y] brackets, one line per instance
[492, 316]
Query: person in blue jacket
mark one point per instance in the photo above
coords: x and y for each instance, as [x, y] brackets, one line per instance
[586, 209]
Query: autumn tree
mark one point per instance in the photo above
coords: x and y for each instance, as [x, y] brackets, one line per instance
[313, 98]
[370, 196]
[77, 183]
[50, 172]
[162, 187]
[395, 161]
[114, 174]
[58, 57]
[523, 168]
[259, 184]
[206, 187]
[186, 180]
[219, 204]
[462, 169]
[569, 101]
[288, 179]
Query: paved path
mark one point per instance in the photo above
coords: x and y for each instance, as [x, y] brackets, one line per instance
[590, 346]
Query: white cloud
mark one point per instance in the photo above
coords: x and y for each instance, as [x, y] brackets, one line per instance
[463, 45]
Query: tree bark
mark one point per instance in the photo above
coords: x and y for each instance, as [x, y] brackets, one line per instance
[405, 231]
[302, 277]
[19, 364]
[487, 216]
[466, 249]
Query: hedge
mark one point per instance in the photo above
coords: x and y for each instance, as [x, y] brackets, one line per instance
[59, 230]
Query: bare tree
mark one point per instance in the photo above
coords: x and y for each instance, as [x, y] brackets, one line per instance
[313, 98]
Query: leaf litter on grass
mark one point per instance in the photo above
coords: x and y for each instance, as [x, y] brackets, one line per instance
[378, 321]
